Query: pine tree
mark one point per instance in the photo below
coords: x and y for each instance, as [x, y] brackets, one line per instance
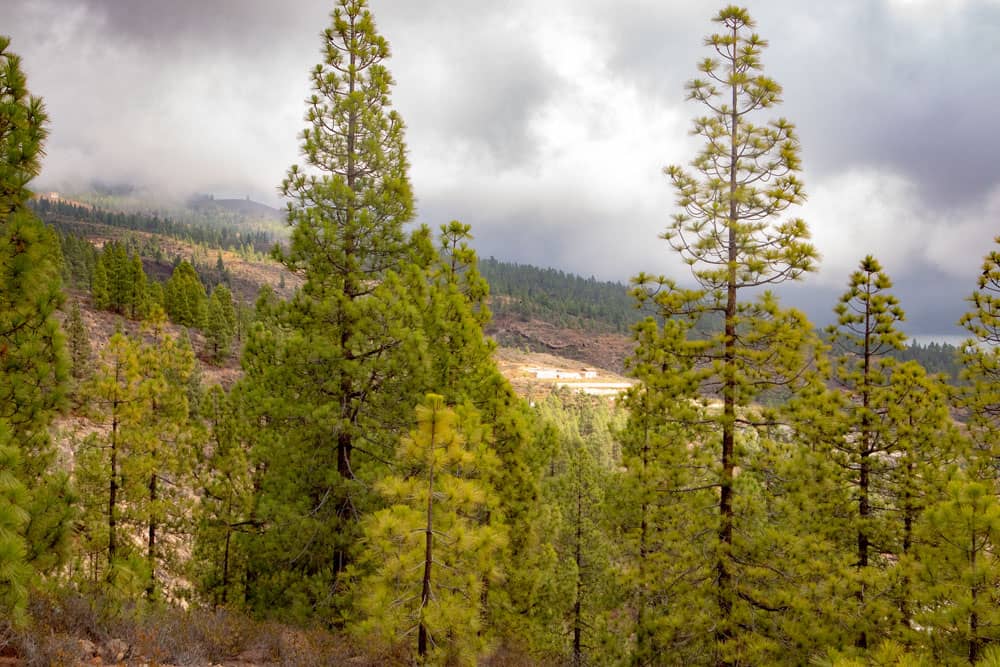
[575, 484]
[184, 297]
[225, 509]
[728, 232]
[137, 297]
[663, 559]
[134, 476]
[162, 450]
[115, 402]
[15, 573]
[79, 344]
[428, 549]
[959, 574]
[220, 322]
[981, 366]
[99, 289]
[335, 373]
[864, 334]
[34, 503]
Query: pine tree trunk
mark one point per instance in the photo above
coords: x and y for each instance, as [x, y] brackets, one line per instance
[425, 595]
[113, 489]
[864, 507]
[578, 555]
[974, 641]
[723, 576]
[151, 541]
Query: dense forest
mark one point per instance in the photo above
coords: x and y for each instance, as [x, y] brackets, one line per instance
[68, 216]
[372, 491]
[562, 298]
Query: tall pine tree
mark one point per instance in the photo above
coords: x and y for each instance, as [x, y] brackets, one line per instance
[33, 364]
[730, 232]
[335, 373]
[429, 550]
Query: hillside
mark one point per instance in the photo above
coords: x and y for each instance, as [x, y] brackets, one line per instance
[544, 310]
[551, 339]
[245, 208]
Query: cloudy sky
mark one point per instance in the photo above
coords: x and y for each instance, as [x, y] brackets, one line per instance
[546, 125]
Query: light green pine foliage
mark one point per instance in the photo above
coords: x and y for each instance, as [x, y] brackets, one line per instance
[867, 315]
[585, 627]
[430, 552]
[134, 478]
[106, 556]
[225, 509]
[959, 574]
[162, 453]
[981, 365]
[462, 366]
[730, 232]
[666, 475]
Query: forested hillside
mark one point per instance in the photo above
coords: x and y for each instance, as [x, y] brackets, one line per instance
[564, 299]
[321, 463]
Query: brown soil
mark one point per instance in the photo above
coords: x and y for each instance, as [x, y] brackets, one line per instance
[600, 350]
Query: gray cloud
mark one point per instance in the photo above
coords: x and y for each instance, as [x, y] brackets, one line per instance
[545, 125]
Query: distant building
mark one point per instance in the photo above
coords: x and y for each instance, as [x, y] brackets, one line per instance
[555, 374]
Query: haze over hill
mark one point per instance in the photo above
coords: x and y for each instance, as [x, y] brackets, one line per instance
[548, 133]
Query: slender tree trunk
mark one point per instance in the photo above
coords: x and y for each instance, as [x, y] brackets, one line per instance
[225, 552]
[151, 540]
[724, 634]
[578, 555]
[974, 641]
[225, 567]
[113, 489]
[864, 482]
[909, 513]
[643, 647]
[425, 594]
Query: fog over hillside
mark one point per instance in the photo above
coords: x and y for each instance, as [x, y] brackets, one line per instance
[546, 126]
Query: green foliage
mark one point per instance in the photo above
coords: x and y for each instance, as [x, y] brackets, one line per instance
[727, 230]
[332, 375]
[220, 322]
[15, 573]
[981, 364]
[184, 297]
[22, 133]
[554, 296]
[75, 220]
[958, 573]
[78, 342]
[584, 590]
[34, 501]
[134, 475]
[119, 282]
[79, 260]
[431, 551]
[225, 509]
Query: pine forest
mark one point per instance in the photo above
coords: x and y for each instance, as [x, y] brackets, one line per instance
[292, 442]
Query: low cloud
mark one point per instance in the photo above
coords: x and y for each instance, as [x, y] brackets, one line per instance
[546, 125]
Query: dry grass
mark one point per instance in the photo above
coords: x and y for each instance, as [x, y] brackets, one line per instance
[71, 629]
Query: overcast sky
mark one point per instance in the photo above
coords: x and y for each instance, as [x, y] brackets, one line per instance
[546, 125]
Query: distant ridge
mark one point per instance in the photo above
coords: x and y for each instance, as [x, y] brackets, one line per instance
[244, 207]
